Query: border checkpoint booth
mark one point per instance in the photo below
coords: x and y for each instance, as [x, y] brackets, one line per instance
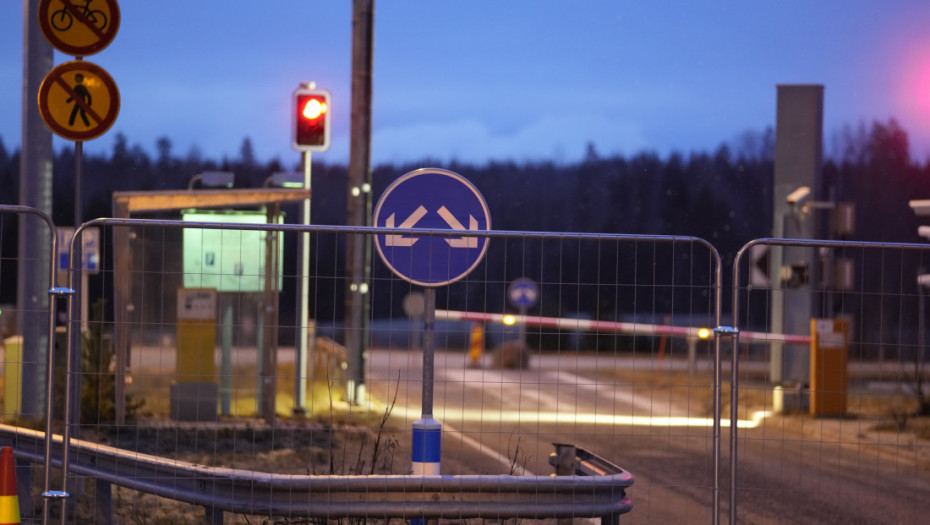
[128, 204]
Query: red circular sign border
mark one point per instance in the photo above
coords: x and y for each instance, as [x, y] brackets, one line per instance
[79, 51]
[59, 71]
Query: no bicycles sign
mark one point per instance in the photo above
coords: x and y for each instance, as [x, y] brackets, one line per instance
[79, 100]
[79, 27]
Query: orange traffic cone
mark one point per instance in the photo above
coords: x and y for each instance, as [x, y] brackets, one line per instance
[9, 499]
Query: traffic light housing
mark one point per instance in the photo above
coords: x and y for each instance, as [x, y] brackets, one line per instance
[311, 120]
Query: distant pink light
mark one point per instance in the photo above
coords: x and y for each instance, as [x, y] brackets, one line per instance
[910, 102]
[916, 88]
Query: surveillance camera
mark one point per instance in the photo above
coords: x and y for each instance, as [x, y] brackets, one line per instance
[799, 196]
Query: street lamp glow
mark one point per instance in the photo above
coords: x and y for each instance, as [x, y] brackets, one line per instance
[704, 333]
[510, 320]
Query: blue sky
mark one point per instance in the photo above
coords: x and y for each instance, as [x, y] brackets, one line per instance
[481, 80]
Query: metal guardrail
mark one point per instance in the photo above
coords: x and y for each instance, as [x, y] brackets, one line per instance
[569, 460]
[221, 490]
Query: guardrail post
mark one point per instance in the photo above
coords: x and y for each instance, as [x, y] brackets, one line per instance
[564, 460]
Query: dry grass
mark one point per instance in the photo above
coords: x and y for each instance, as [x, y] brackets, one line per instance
[333, 438]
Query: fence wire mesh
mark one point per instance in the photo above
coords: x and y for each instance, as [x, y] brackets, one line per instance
[610, 382]
[843, 434]
[191, 365]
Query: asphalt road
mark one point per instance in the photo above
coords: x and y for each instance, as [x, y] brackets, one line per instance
[499, 421]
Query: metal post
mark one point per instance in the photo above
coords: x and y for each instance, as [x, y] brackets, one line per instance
[35, 190]
[427, 432]
[921, 327]
[122, 305]
[429, 350]
[303, 299]
[798, 160]
[269, 314]
[79, 289]
[226, 342]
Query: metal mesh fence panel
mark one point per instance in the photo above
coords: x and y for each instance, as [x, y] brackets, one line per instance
[599, 344]
[593, 357]
[830, 364]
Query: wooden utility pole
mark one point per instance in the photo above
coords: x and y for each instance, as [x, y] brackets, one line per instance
[358, 247]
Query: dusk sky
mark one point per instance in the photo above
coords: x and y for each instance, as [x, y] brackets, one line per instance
[482, 80]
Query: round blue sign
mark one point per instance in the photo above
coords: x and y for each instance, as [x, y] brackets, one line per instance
[523, 293]
[437, 199]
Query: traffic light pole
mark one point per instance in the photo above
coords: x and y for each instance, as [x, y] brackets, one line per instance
[303, 300]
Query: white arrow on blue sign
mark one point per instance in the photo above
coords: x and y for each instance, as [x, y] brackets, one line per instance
[437, 199]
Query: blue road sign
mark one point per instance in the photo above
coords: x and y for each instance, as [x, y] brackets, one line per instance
[523, 293]
[439, 199]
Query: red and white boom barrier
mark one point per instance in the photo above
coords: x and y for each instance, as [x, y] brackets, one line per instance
[589, 325]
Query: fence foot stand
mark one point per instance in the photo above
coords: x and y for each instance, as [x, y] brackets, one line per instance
[24, 489]
[104, 502]
[213, 516]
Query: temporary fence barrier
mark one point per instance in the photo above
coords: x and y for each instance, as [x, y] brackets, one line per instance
[54, 292]
[610, 356]
[607, 267]
[835, 445]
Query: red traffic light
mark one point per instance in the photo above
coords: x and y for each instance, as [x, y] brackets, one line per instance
[313, 108]
[311, 120]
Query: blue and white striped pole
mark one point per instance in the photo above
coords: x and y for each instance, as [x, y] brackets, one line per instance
[427, 432]
[427, 440]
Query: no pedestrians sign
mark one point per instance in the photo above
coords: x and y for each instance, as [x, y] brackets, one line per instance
[78, 100]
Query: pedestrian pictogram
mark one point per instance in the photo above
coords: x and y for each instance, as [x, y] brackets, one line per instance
[79, 27]
[80, 91]
[78, 100]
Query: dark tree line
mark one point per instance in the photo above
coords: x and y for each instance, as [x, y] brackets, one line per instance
[722, 196]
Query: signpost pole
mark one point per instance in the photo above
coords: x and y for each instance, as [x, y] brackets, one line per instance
[79, 319]
[78, 220]
[78, 161]
[429, 350]
[427, 432]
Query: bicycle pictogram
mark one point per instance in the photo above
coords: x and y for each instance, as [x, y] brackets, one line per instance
[63, 19]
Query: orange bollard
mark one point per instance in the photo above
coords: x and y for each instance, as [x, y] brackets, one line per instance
[477, 344]
[9, 499]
